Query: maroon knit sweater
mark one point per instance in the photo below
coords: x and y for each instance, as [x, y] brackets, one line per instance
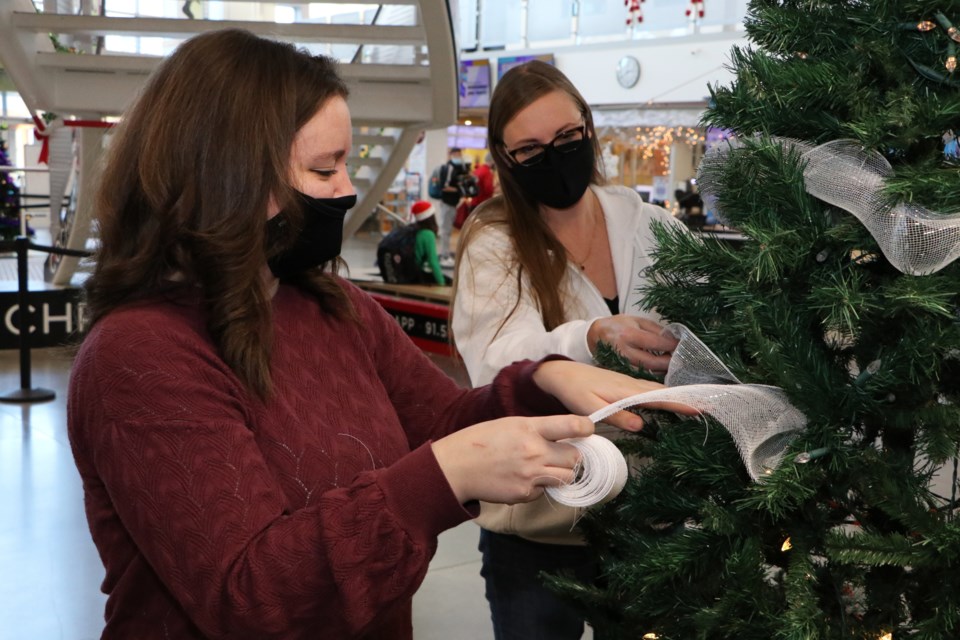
[313, 515]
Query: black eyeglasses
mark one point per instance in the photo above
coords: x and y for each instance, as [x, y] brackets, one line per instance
[534, 153]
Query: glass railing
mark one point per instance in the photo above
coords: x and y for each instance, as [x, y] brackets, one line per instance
[319, 13]
[537, 24]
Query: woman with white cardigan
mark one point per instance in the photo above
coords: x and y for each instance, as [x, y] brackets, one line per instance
[552, 266]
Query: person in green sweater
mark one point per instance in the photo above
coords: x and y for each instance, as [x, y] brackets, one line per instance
[425, 247]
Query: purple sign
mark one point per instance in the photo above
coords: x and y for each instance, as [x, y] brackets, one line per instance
[474, 84]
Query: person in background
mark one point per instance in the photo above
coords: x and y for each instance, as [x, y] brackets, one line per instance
[483, 179]
[449, 201]
[484, 174]
[425, 248]
[264, 453]
[553, 265]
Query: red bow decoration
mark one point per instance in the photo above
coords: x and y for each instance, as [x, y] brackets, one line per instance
[42, 132]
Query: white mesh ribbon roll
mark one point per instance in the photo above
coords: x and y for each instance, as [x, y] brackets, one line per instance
[760, 419]
[914, 239]
[602, 474]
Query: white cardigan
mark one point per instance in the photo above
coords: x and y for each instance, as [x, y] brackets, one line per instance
[487, 291]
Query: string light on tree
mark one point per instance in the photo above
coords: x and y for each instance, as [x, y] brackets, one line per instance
[948, 26]
[953, 33]
[806, 456]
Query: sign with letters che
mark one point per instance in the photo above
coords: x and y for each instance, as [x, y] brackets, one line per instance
[56, 318]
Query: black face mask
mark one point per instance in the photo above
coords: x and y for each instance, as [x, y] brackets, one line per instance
[320, 240]
[560, 179]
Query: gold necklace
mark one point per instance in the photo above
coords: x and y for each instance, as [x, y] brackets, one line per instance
[593, 237]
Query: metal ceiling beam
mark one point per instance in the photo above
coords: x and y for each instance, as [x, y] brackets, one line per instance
[139, 64]
[184, 28]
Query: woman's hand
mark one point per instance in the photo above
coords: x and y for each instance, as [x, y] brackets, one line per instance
[584, 388]
[510, 460]
[636, 339]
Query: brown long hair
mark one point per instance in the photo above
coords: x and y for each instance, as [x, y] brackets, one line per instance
[537, 250]
[184, 192]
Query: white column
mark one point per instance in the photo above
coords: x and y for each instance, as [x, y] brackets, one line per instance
[435, 141]
[682, 167]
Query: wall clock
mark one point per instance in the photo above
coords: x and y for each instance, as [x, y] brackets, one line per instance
[628, 71]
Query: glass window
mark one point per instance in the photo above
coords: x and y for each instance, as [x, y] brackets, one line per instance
[730, 12]
[549, 19]
[500, 23]
[154, 46]
[602, 18]
[346, 52]
[664, 15]
[467, 25]
[121, 8]
[15, 106]
[154, 10]
[284, 14]
[120, 44]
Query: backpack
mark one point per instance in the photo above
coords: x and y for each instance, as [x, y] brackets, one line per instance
[469, 186]
[437, 178]
[396, 256]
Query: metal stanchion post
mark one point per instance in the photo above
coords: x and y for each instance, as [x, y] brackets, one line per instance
[25, 393]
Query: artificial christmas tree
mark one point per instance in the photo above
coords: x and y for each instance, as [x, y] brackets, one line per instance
[9, 195]
[846, 295]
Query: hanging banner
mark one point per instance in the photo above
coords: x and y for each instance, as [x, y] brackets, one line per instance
[474, 84]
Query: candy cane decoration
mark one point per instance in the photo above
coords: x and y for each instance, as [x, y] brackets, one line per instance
[42, 131]
[634, 11]
[695, 8]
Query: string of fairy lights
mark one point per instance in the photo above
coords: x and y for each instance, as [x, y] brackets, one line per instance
[952, 32]
[926, 26]
[648, 141]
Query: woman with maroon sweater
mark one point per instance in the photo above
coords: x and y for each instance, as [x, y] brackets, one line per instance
[264, 453]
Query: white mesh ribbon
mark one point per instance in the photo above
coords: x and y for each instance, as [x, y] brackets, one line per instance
[760, 419]
[914, 239]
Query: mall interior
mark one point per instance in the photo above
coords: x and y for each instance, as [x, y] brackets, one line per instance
[421, 74]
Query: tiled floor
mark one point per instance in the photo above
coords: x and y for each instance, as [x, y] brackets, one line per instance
[49, 570]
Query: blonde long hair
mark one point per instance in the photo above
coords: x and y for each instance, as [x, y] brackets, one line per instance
[537, 251]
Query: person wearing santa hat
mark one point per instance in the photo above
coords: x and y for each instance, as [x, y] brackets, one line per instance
[425, 248]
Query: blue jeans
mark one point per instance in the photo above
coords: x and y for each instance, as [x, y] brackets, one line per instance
[521, 607]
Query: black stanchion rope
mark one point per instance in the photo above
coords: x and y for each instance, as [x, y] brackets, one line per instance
[26, 393]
